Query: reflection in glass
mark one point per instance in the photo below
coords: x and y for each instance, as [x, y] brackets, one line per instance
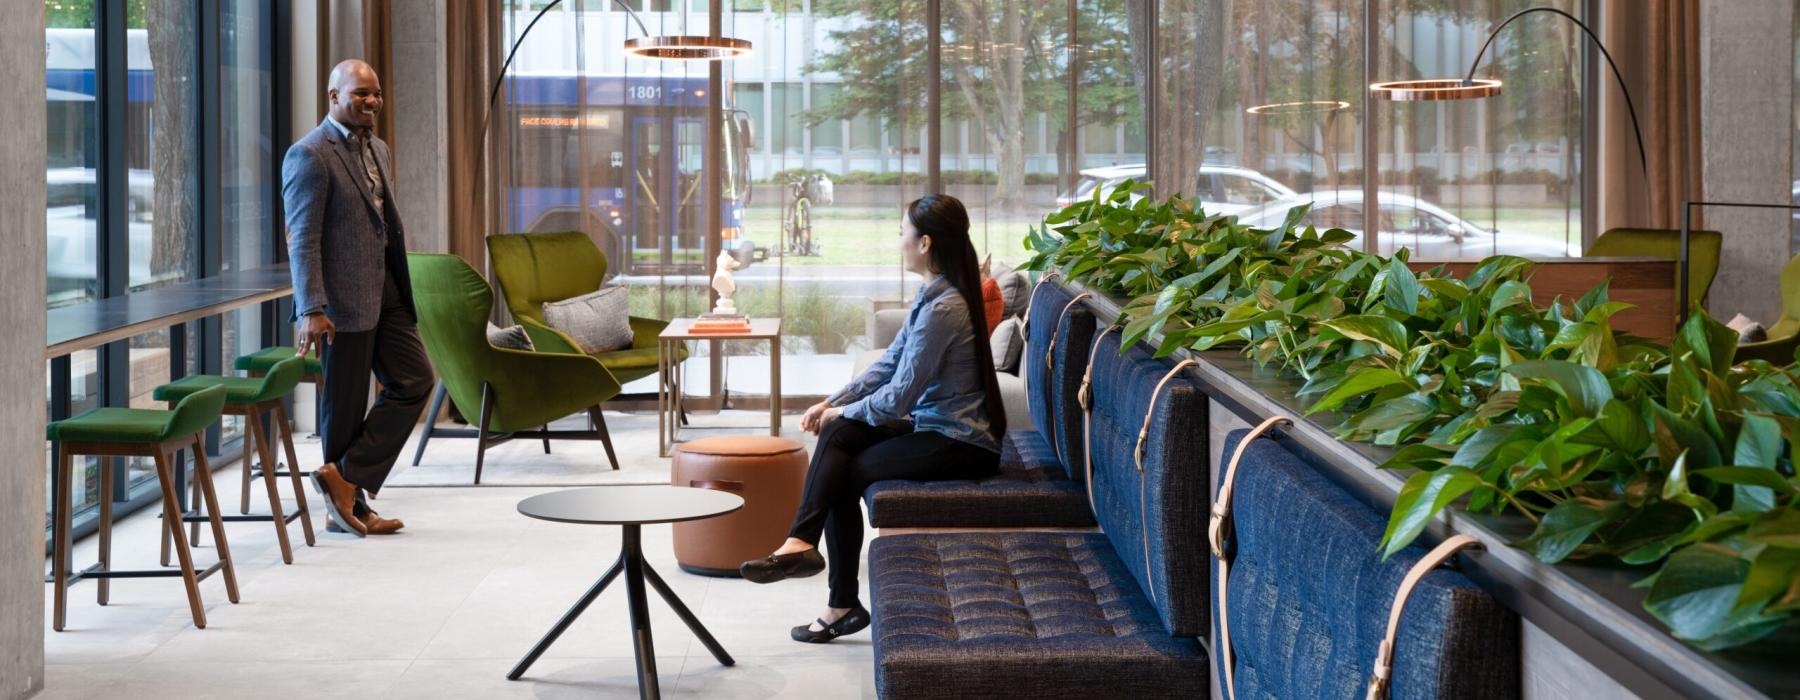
[72, 144]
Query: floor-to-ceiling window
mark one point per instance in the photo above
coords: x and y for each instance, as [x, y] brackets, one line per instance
[1248, 108]
[138, 93]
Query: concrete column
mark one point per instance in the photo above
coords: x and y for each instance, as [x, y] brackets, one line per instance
[419, 100]
[1747, 109]
[22, 351]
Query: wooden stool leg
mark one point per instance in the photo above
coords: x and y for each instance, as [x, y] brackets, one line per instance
[167, 539]
[193, 493]
[172, 515]
[102, 588]
[203, 474]
[244, 481]
[59, 565]
[287, 443]
[253, 425]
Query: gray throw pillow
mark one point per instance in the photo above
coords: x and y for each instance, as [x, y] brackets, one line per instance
[1008, 345]
[598, 322]
[1015, 289]
[512, 338]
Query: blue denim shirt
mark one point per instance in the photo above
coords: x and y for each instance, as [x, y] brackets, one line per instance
[929, 373]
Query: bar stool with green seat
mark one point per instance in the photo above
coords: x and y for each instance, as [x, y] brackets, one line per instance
[255, 398]
[135, 432]
[257, 364]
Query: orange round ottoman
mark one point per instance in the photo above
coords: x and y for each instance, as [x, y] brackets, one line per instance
[767, 471]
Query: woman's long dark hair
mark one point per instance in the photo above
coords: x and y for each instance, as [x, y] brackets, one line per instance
[943, 218]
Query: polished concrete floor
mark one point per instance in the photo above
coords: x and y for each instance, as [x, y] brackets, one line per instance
[442, 610]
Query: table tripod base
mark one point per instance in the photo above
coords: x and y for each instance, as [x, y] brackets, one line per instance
[637, 571]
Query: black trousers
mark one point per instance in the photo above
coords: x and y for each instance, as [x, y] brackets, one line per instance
[365, 441]
[851, 455]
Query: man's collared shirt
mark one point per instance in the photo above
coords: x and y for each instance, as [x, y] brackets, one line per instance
[365, 154]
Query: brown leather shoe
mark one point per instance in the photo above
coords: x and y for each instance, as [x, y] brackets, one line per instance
[340, 498]
[382, 526]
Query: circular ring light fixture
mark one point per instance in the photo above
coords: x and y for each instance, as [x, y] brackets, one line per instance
[1299, 108]
[687, 48]
[1440, 89]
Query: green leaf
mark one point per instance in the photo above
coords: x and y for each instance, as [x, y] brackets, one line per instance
[1767, 479]
[1403, 291]
[1424, 494]
[1772, 573]
[1384, 332]
[1651, 532]
[1566, 526]
[1710, 343]
[1696, 593]
[1361, 382]
[1781, 529]
[1585, 387]
[1622, 429]
[1759, 442]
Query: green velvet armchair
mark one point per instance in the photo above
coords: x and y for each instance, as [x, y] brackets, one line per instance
[1784, 336]
[536, 268]
[512, 391]
[1703, 252]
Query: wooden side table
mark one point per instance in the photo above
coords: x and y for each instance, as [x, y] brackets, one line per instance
[668, 367]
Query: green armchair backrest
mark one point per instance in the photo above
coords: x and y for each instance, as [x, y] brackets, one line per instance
[1703, 252]
[534, 268]
[530, 388]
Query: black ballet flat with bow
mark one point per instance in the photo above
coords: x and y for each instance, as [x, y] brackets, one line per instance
[776, 567]
[852, 622]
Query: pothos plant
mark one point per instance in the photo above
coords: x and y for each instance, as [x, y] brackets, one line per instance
[1612, 446]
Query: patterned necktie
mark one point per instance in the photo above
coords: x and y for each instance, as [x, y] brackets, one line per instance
[372, 174]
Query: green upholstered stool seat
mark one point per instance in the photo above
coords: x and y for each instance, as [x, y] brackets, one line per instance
[279, 378]
[193, 414]
[238, 390]
[261, 360]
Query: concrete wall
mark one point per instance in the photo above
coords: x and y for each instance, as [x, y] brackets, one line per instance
[22, 351]
[418, 100]
[1747, 109]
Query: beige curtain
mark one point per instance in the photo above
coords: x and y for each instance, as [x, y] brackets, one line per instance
[1657, 47]
[473, 47]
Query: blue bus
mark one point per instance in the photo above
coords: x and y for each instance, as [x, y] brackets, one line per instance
[620, 158]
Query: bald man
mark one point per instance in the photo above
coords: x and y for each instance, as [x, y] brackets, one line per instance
[353, 297]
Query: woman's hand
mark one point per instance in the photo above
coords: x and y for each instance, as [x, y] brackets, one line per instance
[810, 422]
[828, 416]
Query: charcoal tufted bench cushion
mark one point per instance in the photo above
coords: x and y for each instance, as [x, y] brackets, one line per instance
[1031, 490]
[1310, 597]
[1037, 615]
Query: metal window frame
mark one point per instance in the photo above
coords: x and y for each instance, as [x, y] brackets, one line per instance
[112, 232]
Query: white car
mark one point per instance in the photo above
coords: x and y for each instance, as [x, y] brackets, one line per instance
[71, 252]
[1406, 222]
[1224, 189]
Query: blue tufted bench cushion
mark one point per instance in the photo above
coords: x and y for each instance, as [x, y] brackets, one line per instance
[1039, 615]
[1031, 490]
[1310, 597]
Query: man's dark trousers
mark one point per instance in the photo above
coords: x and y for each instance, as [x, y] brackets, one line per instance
[364, 442]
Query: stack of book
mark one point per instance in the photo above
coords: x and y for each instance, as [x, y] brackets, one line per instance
[721, 323]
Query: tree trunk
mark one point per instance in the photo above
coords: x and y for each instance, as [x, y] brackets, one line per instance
[173, 164]
[1003, 62]
[1191, 57]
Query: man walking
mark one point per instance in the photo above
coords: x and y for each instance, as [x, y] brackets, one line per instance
[353, 297]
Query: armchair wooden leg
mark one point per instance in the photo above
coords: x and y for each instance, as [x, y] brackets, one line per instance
[546, 439]
[431, 419]
[481, 435]
[599, 421]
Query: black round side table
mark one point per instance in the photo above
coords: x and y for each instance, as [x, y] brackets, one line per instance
[631, 507]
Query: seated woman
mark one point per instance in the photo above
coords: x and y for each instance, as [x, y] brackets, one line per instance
[929, 409]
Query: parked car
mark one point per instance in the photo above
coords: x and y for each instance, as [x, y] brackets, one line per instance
[1224, 189]
[1406, 221]
[71, 248]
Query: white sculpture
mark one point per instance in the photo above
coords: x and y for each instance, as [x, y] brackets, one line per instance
[724, 284]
